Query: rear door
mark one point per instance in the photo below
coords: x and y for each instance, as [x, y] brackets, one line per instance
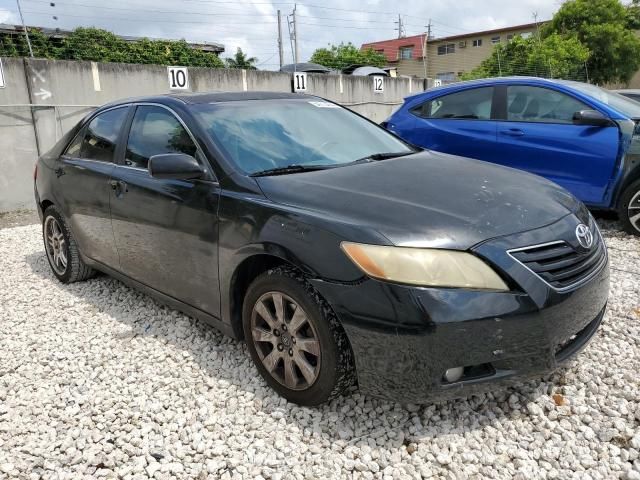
[84, 176]
[538, 135]
[459, 123]
[166, 231]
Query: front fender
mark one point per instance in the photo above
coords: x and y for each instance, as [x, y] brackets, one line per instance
[250, 226]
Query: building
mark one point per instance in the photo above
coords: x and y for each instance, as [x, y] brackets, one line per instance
[445, 58]
[10, 31]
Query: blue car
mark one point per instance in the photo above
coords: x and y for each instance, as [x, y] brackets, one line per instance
[580, 136]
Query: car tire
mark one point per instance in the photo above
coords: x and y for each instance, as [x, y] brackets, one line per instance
[308, 375]
[629, 208]
[61, 249]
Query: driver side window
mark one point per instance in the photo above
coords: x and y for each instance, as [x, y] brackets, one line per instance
[541, 105]
[155, 131]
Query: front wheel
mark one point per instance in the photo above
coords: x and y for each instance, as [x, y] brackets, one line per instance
[629, 210]
[61, 248]
[295, 340]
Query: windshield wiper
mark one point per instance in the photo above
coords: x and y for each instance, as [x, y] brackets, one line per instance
[290, 169]
[382, 156]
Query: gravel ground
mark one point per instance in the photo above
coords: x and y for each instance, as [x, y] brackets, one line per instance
[98, 380]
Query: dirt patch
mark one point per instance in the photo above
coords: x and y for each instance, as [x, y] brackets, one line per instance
[18, 218]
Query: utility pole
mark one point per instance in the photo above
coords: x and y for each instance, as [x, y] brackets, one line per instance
[26, 33]
[425, 50]
[280, 48]
[401, 33]
[295, 34]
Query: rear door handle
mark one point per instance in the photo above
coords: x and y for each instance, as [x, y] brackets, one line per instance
[513, 132]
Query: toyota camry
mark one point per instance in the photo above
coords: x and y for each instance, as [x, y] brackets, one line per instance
[340, 254]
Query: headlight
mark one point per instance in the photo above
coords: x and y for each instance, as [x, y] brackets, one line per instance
[424, 267]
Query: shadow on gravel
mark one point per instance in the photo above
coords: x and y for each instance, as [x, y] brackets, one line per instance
[409, 422]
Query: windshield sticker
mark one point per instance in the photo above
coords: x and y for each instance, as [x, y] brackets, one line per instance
[324, 105]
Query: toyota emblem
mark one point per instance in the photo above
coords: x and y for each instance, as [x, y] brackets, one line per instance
[584, 236]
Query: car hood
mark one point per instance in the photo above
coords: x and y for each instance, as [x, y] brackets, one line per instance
[427, 199]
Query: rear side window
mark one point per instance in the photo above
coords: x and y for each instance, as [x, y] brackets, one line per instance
[541, 105]
[73, 150]
[155, 131]
[101, 136]
[474, 104]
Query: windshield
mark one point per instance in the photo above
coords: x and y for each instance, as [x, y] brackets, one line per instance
[616, 101]
[260, 135]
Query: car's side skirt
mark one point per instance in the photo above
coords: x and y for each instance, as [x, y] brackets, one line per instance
[163, 298]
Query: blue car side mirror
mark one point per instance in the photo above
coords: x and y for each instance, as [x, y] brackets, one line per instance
[591, 118]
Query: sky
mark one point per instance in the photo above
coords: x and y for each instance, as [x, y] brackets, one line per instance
[252, 24]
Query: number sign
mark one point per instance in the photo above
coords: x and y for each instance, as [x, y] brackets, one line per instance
[178, 78]
[299, 82]
[378, 84]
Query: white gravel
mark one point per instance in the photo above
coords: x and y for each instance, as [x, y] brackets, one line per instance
[97, 380]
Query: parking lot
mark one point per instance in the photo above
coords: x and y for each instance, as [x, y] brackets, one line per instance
[98, 380]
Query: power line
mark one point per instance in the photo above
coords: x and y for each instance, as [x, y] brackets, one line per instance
[125, 19]
[182, 12]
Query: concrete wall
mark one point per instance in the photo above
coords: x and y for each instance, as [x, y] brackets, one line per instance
[45, 98]
[18, 149]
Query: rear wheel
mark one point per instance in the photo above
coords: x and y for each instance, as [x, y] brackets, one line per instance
[629, 210]
[295, 339]
[61, 248]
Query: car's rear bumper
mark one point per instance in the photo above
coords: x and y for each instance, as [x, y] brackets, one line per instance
[405, 338]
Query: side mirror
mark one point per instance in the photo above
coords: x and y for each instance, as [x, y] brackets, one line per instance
[176, 166]
[591, 118]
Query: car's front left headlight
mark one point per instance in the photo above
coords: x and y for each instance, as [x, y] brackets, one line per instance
[425, 267]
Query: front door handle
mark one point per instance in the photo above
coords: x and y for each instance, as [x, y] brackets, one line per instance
[513, 132]
[119, 187]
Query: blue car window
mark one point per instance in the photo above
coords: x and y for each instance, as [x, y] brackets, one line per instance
[472, 104]
[536, 104]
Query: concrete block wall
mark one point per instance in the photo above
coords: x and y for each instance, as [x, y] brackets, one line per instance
[45, 98]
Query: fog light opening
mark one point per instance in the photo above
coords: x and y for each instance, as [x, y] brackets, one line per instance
[453, 374]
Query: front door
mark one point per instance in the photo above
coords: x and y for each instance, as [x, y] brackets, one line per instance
[84, 175]
[166, 231]
[539, 136]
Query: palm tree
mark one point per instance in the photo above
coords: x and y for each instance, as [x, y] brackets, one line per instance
[240, 60]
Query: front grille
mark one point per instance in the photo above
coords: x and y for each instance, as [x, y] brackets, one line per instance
[561, 265]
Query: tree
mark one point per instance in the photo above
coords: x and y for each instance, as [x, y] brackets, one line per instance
[102, 46]
[240, 60]
[603, 27]
[343, 55]
[94, 44]
[16, 45]
[554, 56]
[633, 15]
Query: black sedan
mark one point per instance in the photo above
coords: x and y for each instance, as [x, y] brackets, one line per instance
[341, 254]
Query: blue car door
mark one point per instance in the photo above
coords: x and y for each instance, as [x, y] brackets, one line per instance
[458, 123]
[538, 135]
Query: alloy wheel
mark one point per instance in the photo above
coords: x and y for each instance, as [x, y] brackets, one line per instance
[633, 211]
[285, 340]
[55, 245]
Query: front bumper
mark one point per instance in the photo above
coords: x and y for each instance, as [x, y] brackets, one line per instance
[404, 338]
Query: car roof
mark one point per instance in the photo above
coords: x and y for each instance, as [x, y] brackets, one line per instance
[568, 86]
[491, 81]
[211, 97]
